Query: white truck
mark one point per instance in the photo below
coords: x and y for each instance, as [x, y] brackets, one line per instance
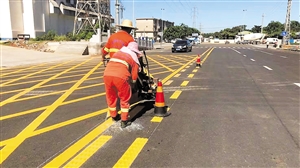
[252, 38]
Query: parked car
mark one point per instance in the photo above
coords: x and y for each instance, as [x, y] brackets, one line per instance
[182, 45]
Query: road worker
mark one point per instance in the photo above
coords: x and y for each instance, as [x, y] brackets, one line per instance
[119, 75]
[119, 39]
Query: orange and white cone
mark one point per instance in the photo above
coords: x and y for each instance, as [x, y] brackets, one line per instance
[198, 62]
[160, 109]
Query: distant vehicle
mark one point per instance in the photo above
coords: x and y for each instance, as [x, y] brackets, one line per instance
[271, 40]
[182, 45]
[252, 38]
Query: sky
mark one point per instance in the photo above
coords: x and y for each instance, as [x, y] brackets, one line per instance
[210, 15]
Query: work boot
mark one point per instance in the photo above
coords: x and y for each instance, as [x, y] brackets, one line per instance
[125, 124]
[117, 117]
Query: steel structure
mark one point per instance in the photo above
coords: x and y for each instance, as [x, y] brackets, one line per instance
[287, 26]
[91, 13]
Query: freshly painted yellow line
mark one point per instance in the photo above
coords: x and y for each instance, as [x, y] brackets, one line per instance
[191, 63]
[184, 83]
[191, 75]
[162, 72]
[177, 75]
[20, 138]
[176, 94]
[168, 82]
[158, 119]
[180, 57]
[187, 66]
[20, 70]
[161, 64]
[179, 69]
[131, 153]
[11, 99]
[195, 70]
[84, 155]
[183, 70]
[58, 125]
[79, 145]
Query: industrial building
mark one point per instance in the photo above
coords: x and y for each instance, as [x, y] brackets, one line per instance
[36, 17]
[151, 27]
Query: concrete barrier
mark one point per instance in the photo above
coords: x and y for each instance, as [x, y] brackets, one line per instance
[73, 47]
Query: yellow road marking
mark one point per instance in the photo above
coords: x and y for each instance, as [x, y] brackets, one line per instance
[26, 76]
[55, 92]
[160, 72]
[131, 153]
[168, 82]
[20, 70]
[191, 75]
[183, 70]
[187, 66]
[168, 68]
[195, 70]
[184, 83]
[180, 57]
[158, 119]
[11, 99]
[79, 145]
[171, 60]
[58, 125]
[62, 77]
[179, 69]
[177, 75]
[176, 94]
[54, 84]
[9, 148]
[84, 155]
[207, 55]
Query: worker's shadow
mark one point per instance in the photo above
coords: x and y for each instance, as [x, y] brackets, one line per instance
[139, 110]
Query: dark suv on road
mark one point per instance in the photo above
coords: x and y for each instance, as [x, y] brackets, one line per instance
[182, 45]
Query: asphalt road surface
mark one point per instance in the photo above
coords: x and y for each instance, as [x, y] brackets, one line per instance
[241, 109]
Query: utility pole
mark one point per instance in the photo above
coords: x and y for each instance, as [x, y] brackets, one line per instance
[162, 29]
[194, 17]
[262, 23]
[200, 27]
[117, 15]
[287, 26]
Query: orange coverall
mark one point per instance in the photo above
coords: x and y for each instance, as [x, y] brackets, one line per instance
[117, 77]
[116, 41]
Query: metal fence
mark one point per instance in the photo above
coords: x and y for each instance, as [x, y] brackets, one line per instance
[145, 43]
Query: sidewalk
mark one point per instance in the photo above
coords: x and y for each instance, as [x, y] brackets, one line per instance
[13, 56]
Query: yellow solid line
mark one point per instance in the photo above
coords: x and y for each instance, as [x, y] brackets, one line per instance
[184, 83]
[81, 143]
[20, 138]
[132, 152]
[195, 70]
[207, 55]
[177, 75]
[176, 94]
[191, 75]
[171, 60]
[161, 64]
[168, 82]
[183, 70]
[26, 76]
[88, 152]
[11, 99]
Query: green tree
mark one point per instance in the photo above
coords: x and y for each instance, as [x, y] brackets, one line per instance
[256, 29]
[274, 29]
[180, 31]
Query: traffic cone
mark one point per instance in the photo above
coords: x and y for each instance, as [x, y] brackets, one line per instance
[160, 109]
[198, 61]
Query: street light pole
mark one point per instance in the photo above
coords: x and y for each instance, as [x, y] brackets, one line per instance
[162, 29]
[244, 10]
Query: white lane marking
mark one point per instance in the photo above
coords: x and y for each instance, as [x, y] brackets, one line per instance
[245, 55]
[298, 84]
[252, 59]
[268, 68]
[267, 53]
[283, 56]
[236, 51]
